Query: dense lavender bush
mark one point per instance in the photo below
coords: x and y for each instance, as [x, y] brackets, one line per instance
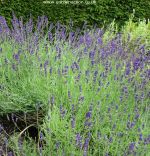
[92, 90]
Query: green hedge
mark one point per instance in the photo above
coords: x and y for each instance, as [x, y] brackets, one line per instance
[104, 11]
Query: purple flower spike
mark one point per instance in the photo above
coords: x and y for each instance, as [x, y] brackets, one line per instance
[137, 116]
[91, 55]
[50, 36]
[86, 144]
[88, 124]
[50, 70]
[72, 108]
[136, 64]
[85, 50]
[107, 154]
[45, 64]
[78, 77]
[128, 124]
[127, 72]
[62, 111]
[140, 137]
[4, 25]
[117, 107]
[73, 122]
[69, 95]
[71, 36]
[114, 127]
[16, 57]
[10, 153]
[88, 115]
[132, 147]
[81, 40]
[63, 34]
[14, 67]
[52, 100]
[88, 40]
[132, 124]
[95, 73]
[81, 99]
[92, 62]
[57, 145]
[76, 65]
[41, 136]
[79, 140]
[99, 41]
[109, 109]
[1, 128]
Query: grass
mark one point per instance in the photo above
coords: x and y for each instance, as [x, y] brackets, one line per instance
[86, 97]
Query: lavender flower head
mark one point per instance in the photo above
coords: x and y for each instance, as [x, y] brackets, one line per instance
[79, 140]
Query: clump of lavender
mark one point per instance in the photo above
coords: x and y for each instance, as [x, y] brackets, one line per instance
[92, 84]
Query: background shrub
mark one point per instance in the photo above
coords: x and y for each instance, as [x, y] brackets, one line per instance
[103, 11]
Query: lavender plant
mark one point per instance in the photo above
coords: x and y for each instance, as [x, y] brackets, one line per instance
[93, 90]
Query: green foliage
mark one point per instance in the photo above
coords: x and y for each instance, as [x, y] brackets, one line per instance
[100, 13]
[111, 103]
